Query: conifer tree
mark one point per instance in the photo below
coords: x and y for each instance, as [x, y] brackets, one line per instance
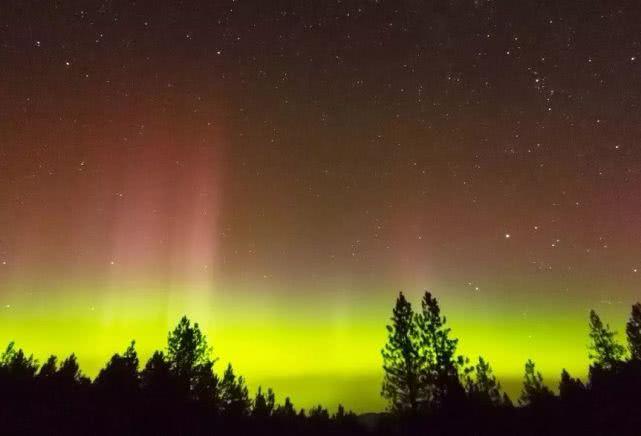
[186, 348]
[534, 391]
[206, 385]
[439, 375]
[16, 364]
[570, 388]
[49, 368]
[235, 395]
[318, 415]
[633, 332]
[605, 352]
[484, 388]
[401, 360]
[156, 377]
[285, 411]
[263, 404]
[69, 371]
[120, 375]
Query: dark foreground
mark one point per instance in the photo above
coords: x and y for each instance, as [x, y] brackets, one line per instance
[431, 391]
[611, 406]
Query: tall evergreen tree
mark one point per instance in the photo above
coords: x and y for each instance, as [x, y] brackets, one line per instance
[157, 379]
[401, 360]
[16, 364]
[186, 348]
[49, 368]
[439, 375]
[605, 352]
[69, 371]
[191, 366]
[120, 375]
[534, 391]
[206, 385]
[285, 411]
[484, 389]
[570, 388]
[235, 395]
[263, 404]
[633, 332]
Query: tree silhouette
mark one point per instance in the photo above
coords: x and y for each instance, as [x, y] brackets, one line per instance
[186, 348]
[206, 385]
[534, 391]
[506, 401]
[401, 360]
[570, 388]
[285, 411]
[235, 396]
[49, 368]
[439, 375]
[156, 377]
[319, 416]
[263, 405]
[182, 394]
[120, 375]
[484, 389]
[633, 332]
[605, 351]
[69, 372]
[16, 364]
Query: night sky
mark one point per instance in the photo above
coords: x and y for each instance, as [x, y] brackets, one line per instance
[279, 170]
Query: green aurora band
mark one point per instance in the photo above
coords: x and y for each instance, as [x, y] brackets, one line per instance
[324, 347]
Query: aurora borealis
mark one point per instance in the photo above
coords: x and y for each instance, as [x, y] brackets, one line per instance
[278, 171]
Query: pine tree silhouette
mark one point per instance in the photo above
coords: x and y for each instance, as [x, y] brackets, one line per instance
[263, 405]
[439, 375]
[401, 360]
[484, 389]
[633, 332]
[186, 349]
[285, 411]
[605, 352]
[570, 389]
[49, 368]
[157, 381]
[206, 386]
[534, 390]
[16, 364]
[235, 396]
[120, 375]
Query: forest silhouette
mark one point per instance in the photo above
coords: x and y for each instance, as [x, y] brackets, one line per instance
[430, 389]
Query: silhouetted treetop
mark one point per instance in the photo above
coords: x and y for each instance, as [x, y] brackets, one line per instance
[121, 372]
[235, 395]
[633, 332]
[605, 352]
[49, 368]
[534, 390]
[439, 374]
[187, 348]
[483, 388]
[264, 404]
[570, 388]
[285, 411]
[16, 364]
[401, 359]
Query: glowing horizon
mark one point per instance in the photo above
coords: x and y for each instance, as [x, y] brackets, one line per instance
[316, 350]
[279, 174]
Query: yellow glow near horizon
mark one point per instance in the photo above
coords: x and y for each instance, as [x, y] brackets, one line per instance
[312, 349]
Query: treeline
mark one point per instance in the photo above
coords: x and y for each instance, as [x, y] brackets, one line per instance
[429, 385]
[176, 392]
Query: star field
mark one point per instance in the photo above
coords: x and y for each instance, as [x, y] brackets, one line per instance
[263, 164]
